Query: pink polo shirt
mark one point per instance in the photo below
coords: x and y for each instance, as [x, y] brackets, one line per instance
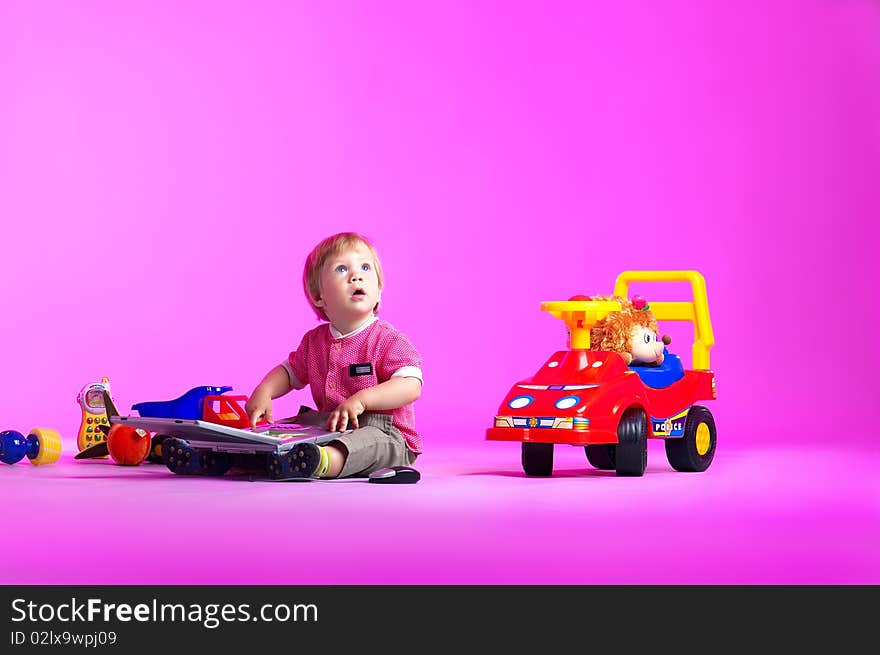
[337, 366]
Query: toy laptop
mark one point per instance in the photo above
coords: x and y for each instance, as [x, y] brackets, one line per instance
[202, 435]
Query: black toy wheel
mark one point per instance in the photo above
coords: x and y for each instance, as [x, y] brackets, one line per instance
[179, 457]
[693, 451]
[601, 456]
[631, 456]
[214, 463]
[155, 454]
[537, 458]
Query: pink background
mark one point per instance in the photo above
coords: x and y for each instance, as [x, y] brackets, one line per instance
[166, 167]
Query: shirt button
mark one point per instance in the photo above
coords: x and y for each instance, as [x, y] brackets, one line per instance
[331, 385]
[338, 346]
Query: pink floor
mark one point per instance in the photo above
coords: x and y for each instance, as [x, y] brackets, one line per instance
[785, 515]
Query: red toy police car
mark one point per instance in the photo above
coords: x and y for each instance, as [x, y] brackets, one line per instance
[589, 398]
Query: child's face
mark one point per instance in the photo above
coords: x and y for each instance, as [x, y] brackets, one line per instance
[349, 285]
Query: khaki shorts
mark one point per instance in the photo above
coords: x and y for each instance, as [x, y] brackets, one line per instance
[375, 445]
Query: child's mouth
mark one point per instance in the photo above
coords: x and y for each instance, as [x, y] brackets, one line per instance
[358, 292]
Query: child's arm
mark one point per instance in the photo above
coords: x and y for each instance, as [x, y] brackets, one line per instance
[390, 394]
[259, 405]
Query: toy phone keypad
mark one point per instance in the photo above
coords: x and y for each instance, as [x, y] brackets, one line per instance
[94, 413]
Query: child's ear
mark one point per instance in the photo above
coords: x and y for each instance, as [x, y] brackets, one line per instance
[318, 302]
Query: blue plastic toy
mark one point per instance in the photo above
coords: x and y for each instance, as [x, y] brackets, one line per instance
[662, 376]
[188, 406]
[42, 446]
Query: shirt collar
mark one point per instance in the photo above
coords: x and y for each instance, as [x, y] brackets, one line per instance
[336, 334]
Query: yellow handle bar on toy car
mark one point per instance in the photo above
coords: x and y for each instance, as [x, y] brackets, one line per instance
[581, 315]
[697, 312]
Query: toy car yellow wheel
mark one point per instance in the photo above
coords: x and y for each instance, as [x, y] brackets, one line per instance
[601, 456]
[50, 446]
[693, 451]
[537, 458]
[631, 456]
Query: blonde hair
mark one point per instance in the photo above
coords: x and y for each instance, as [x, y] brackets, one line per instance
[328, 248]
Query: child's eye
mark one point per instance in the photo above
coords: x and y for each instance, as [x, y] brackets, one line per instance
[365, 267]
[342, 268]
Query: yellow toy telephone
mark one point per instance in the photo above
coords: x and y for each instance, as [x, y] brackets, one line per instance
[94, 413]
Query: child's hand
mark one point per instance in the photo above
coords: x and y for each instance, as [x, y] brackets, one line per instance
[346, 414]
[257, 407]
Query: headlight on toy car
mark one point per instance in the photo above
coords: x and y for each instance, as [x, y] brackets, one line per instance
[567, 402]
[520, 401]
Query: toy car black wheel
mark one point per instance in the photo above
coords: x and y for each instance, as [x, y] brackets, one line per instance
[179, 457]
[214, 463]
[601, 456]
[537, 458]
[631, 456]
[155, 454]
[693, 451]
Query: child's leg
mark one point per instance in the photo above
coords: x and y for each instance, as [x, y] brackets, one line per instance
[375, 445]
[337, 453]
[365, 450]
[356, 453]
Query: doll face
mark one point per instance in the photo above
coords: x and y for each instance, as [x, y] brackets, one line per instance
[349, 287]
[646, 348]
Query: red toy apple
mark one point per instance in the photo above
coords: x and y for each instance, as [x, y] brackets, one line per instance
[127, 445]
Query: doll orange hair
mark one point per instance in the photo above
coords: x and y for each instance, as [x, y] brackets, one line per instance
[614, 332]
